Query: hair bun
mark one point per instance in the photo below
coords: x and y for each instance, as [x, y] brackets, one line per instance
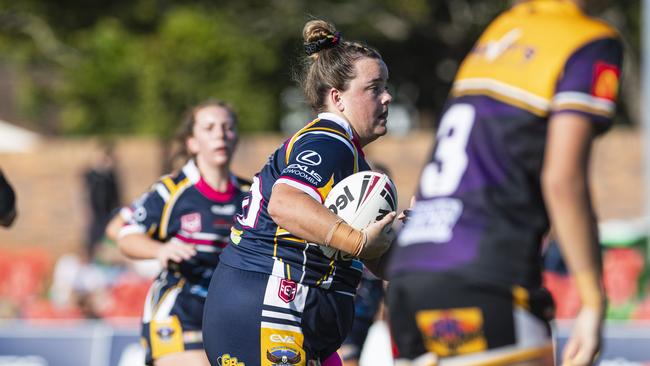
[318, 35]
[328, 42]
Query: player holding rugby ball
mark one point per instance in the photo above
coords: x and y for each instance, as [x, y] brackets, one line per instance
[275, 296]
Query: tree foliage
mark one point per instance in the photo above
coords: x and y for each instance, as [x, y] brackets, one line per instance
[115, 66]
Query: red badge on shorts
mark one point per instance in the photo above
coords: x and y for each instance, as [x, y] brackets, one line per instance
[287, 290]
[191, 223]
[605, 81]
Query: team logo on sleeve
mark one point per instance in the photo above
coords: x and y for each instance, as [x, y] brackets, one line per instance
[605, 81]
[287, 290]
[309, 157]
[191, 223]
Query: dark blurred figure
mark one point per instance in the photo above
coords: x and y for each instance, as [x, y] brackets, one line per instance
[7, 202]
[103, 192]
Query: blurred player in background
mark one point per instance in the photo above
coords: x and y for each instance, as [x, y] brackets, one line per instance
[184, 222]
[7, 202]
[103, 196]
[512, 145]
[275, 297]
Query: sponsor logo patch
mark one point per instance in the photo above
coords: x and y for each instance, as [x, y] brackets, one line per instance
[283, 356]
[309, 157]
[191, 223]
[287, 290]
[605, 81]
[303, 171]
[165, 333]
[452, 332]
[281, 347]
[228, 209]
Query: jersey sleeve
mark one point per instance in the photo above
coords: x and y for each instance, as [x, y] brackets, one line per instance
[316, 162]
[589, 84]
[144, 214]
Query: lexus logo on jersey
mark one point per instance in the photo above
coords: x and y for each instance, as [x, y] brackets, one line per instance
[309, 157]
[287, 290]
[191, 223]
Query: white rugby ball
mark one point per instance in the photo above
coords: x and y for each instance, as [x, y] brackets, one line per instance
[360, 199]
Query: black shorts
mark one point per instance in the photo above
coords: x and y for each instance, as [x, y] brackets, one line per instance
[449, 316]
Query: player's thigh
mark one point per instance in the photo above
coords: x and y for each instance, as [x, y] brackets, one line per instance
[194, 358]
[232, 316]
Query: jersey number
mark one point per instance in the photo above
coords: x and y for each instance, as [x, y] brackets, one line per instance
[251, 205]
[442, 176]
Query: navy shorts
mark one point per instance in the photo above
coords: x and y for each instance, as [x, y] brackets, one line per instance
[258, 319]
[171, 322]
[447, 316]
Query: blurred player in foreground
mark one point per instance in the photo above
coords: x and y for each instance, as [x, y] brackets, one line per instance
[512, 146]
[7, 202]
[184, 222]
[275, 298]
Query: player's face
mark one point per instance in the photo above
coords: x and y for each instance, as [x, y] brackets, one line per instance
[214, 136]
[365, 102]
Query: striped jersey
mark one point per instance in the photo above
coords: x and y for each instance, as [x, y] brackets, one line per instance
[185, 209]
[480, 210]
[313, 160]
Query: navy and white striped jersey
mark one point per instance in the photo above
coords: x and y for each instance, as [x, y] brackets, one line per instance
[184, 208]
[313, 160]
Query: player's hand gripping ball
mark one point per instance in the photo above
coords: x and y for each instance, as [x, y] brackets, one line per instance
[360, 199]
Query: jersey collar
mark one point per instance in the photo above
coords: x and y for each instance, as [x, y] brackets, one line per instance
[339, 121]
[192, 173]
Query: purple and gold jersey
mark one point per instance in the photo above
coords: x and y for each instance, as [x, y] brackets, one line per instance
[185, 209]
[313, 160]
[480, 210]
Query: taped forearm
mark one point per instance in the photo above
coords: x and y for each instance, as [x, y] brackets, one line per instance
[346, 238]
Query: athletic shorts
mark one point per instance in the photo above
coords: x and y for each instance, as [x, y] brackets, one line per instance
[370, 293]
[254, 318]
[173, 312]
[438, 316]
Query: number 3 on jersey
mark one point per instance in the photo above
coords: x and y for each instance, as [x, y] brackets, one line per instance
[442, 175]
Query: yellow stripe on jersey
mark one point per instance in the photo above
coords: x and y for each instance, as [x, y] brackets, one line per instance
[520, 297]
[328, 274]
[526, 49]
[306, 129]
[174, 192]
[295, 137]
[169, 183]
[235, 235]
[325, 190]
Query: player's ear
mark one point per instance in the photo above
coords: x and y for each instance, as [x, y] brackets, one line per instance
[192, 145]
[335, 100]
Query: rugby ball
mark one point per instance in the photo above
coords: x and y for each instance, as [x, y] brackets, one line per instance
[360, 199]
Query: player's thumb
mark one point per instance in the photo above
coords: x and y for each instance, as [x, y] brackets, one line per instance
[387, 220]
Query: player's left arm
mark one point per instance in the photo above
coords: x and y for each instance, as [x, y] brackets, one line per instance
[583, 107]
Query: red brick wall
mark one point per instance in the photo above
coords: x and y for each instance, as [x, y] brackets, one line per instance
[52, 210]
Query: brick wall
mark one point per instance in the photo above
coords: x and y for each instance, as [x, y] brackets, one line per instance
[52, 210]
